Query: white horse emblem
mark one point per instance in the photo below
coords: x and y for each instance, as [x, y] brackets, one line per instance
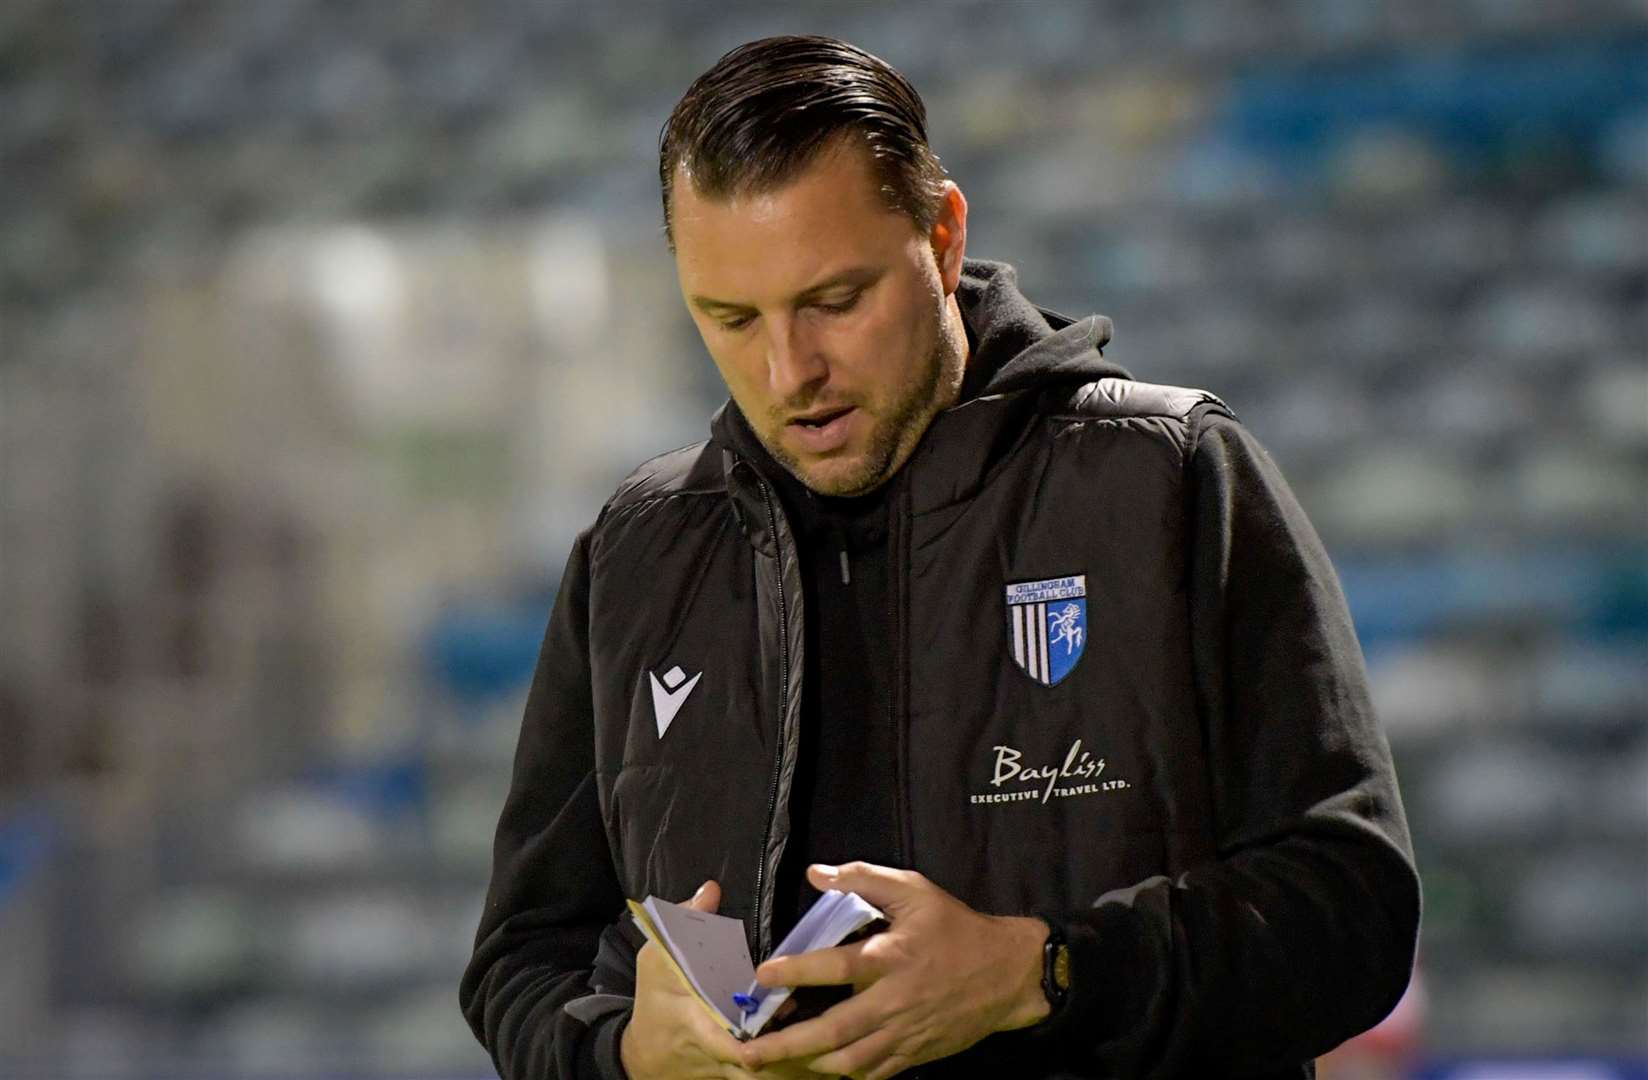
[1066, 628]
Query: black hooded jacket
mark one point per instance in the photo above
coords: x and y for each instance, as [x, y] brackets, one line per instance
[1116, 685]
[842, 804]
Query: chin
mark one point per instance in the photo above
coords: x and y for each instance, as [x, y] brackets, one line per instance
[853, 470]
[849, 479]
[838, 476]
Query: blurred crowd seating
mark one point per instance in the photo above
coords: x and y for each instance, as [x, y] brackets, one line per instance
[324, 327]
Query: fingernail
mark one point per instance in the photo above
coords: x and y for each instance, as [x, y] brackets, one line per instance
[823, 871]
[697, 894]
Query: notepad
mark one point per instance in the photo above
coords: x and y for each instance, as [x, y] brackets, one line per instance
[711, 954]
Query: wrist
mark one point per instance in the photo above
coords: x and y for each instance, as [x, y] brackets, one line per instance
[1027, 1002]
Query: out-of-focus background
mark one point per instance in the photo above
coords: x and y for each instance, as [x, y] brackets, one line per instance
[324, 327]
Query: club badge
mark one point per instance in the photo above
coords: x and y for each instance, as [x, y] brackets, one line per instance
[1047, 626]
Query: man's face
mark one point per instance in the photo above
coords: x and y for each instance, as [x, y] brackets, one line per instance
[825, 313]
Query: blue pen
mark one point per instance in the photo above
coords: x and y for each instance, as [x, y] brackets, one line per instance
[746, 1002]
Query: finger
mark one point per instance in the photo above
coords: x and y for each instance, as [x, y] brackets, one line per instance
[890, 1066]
[862, 1058]
[713, 1040]
[707, 898]
[882, 886]
[838, 1026]
[840, 966]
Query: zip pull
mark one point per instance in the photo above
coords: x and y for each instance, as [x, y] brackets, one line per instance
[846, 575]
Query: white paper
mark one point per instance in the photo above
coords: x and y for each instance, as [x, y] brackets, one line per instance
[715, 957]
[711, 951]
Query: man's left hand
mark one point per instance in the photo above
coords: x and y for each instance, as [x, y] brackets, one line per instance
[938, 980]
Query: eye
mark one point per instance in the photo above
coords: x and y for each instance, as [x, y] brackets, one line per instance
[736, 323]
[842, 305]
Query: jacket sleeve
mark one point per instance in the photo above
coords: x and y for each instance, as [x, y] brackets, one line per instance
[549, 987]
[1301, 932]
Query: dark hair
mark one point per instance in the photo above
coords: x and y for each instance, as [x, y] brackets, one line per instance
[768, 108]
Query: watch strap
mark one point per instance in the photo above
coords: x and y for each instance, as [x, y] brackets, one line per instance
[1055, 965]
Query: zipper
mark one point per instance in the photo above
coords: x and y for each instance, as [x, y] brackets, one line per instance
[756, 949]
[895, 587]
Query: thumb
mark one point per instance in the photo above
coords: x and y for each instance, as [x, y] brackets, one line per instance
[707, 898]
[882, 886]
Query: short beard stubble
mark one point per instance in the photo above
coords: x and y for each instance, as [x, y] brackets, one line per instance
[894, 437]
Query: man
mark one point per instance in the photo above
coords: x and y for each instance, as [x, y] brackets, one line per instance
[1046, 663]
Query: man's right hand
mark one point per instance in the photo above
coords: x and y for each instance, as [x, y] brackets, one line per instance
[670, 1035]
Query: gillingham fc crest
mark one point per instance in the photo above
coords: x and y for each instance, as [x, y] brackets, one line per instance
[1047, 626]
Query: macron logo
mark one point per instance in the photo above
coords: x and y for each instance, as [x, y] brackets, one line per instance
[668, 696]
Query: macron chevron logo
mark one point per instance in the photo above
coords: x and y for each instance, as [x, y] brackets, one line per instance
[668, 696]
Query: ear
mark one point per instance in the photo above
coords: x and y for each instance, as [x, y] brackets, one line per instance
[949, 236]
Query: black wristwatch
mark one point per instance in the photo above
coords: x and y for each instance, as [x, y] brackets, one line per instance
[1055, 966]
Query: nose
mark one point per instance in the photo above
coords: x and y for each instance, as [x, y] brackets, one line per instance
[794, 360]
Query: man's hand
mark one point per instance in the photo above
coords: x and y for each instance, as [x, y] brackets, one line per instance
[942, 977]
[671, 1036]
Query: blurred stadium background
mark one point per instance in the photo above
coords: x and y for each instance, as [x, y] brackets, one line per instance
[324, 326]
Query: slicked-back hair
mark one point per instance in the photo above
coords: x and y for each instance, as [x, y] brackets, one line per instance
[769, 108]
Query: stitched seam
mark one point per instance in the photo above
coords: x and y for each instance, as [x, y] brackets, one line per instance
[664, 496]
[1181, 443]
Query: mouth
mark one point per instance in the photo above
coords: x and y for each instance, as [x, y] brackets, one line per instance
[823, 431]
[822, 418]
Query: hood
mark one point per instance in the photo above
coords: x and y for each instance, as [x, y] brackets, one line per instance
[1017, 345]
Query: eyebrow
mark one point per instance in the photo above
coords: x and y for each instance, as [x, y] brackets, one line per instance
[858, 275]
